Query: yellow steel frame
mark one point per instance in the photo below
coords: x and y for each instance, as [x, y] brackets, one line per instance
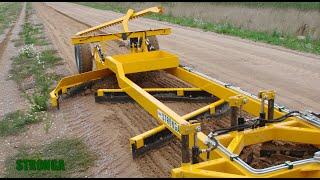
[179, 91]
[124, 20]
[219, 165]
[118, 36]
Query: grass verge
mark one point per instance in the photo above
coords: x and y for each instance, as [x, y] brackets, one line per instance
[76, 156]
[278, 5]
[29, 70]
[16, 122]
[275, 38]
[32, 70]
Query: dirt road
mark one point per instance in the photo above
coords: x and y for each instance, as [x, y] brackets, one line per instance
[10, 99]
[251, 66]
[106, 128]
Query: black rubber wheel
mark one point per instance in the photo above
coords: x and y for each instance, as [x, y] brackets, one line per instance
[153, 43]
[84, 58]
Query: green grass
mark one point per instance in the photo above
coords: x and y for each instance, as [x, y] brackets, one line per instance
[31, 33]
[304, 6]
[31, 65]
[17, 121]
[34, 67]
[279, 5]
[74, 152]
[9, 12]
[275, 38]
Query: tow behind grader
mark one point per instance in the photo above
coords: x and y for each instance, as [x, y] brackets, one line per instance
[203, 155]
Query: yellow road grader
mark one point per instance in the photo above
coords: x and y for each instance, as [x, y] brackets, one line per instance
[215, 154]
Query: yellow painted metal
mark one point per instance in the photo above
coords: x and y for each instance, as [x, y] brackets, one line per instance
[101, 91]
[120, 20]
[158, 110]
[180, 93]
[75, 80]
[139, 138]
[126, 20]
[309, 170]
[279, 131]
[237, 143]
[188, 172]
[252, 106]
[146, 61]
[237, 100]
[219, 165]
[237, 140]
[103, 45]
[268, 95]
[203, 109]
[99, 62]
[118, 36]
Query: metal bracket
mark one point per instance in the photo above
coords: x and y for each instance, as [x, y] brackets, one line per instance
[124, 36]
[267, 95]
[317, 156]
[289, 164]
[233, 156]
[237, 101]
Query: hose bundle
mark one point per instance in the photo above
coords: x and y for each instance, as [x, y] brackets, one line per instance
[253, 123]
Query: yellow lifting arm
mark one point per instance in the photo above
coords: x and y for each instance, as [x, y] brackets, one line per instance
[118, 36]
[129, 16]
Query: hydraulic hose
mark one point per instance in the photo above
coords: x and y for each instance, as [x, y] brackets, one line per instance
[282, 118]
[253, 123]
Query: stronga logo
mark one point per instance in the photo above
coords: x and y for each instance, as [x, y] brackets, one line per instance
[40, 165]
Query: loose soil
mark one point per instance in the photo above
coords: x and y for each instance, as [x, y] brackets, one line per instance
[106, 128]
[273, 153]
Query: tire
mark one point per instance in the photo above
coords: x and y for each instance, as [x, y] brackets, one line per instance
[153, 43]
[84, 58]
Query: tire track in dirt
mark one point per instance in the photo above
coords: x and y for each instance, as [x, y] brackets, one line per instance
[10, 99]
[35, 134]
[4, 42]
[106, 128]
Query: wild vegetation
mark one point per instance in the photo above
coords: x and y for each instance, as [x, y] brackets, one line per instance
[275, 37]
[29, 71]
[74, 153]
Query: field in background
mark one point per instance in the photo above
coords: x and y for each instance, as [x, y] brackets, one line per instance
[280, 5]
[287, 18]
[297, 28]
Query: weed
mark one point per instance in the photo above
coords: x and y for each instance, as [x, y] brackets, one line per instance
[275, 38]
[30, 66]
[15, 122]
[47, 124]
[12, 123]
[76, 156]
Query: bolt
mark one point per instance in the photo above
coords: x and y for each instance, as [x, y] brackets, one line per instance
[233, 156]
[206, 141]
[317, 156]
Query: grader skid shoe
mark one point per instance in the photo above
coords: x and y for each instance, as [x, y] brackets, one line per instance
[203, 155]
